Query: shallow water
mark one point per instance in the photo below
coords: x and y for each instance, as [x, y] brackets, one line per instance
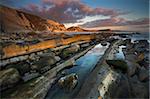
[84, 66]
[120, 54]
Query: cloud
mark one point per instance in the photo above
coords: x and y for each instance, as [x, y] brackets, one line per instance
[141, 25]
[68, 11]
[116, 22]
[86, 20]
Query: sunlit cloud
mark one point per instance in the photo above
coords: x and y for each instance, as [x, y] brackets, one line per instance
[86, 20]
[69, 11]
[83, 14]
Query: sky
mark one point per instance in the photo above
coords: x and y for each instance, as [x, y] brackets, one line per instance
[130, 15]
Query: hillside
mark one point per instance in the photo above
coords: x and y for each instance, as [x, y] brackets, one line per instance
[12, 20]
[75, 29]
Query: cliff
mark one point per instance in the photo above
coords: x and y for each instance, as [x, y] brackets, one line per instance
[12, 20]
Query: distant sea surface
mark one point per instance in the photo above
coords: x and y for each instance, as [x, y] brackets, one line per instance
[141, 36]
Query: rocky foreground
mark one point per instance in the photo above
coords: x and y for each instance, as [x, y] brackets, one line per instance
[120, 78]
[33, 77]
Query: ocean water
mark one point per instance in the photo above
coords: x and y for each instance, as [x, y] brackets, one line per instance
[141, 36]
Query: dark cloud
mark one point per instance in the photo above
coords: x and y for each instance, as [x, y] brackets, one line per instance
[68, 11]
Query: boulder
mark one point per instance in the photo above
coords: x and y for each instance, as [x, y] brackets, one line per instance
[144, 62]
[132, 67]
[122, 89]
[46, 60]
[85, 45]
[140, 56]
[34, 89]
[127, 41]
[70, 50]
[138, 88]
[9, 78]
[131, 57]
[118, 64]
[143, 42]
[143, 74]
[22, 67]
[57, 58]
[68, 82]
[104, 43]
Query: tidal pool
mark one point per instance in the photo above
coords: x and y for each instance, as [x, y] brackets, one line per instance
[84, 66]
[120, 54]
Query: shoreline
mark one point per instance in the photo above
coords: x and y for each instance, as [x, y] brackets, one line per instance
[94, 78]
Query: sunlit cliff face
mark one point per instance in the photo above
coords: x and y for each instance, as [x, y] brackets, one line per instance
[14, 50]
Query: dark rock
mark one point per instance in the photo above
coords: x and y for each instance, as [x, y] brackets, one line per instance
[34, 89]
[131, 57]
[132, 67]
[143, 74]
[104, 43]
[57, 58]
[138, 88]
[46, 60]
[144, 62]
[118, 64]
[23, 67]
[85, 45]
[143, 42]
[67, 52]
[122, 90]
[127, 41]
[68, 82]
[9, 78]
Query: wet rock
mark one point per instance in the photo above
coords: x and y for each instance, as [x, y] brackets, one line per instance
[34, 89]
[144, 63]
[140, 56]
[131, 57]
[132, 67]
[141, 46]
[143, 74]
[127, 41]
[118, 64]
[85, 45]
[46, 60]
[138, 89]
[57, 58]
[68, 82]
[63, 73]
[74, 48]
[29, 76]
[23, 67]
[104, 43]
[122, 90]
[143, 42]
[32, 56]
[69, 51]
[9, 78]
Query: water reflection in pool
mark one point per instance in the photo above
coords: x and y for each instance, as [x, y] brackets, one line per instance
[84, 66]
[120, 54]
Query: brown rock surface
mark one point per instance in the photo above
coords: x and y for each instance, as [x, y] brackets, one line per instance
[15, 20]
[9, 78]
